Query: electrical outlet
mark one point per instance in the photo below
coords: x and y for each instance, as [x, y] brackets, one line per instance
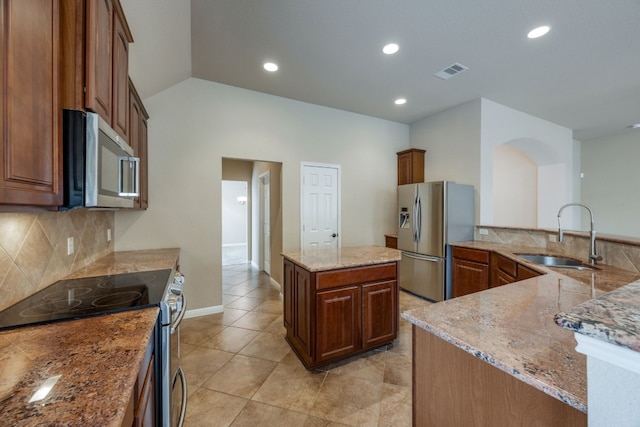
[553, 238]
[108, 234]
[69, 245]
[483, 231]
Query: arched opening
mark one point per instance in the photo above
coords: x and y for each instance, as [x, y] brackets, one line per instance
[529, 184]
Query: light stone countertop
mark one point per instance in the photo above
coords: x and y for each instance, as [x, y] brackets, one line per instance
[323, 259]
[98, 357]
[512, 327]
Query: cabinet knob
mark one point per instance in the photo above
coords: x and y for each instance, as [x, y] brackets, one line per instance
[334, 235]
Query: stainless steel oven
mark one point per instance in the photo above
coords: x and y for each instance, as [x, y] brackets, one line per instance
[173, 384]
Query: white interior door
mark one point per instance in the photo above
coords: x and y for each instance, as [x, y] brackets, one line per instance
[320, 205]
[266, 220]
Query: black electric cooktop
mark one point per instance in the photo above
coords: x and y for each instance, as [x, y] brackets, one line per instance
[89, 296]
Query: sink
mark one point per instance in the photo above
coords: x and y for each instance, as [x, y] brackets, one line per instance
[555, 261]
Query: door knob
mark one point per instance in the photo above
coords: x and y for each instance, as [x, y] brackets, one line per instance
[334, 235]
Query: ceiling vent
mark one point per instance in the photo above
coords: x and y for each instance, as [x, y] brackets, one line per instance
[452, 70]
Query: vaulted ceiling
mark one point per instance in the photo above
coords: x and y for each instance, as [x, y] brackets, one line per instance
[584, 74]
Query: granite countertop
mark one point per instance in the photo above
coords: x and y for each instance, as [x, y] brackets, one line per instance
[98, 358]
[512, 327]
[322, 259]
[613, 317]
[130, 262]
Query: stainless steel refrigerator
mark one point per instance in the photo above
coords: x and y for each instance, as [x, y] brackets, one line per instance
[431, 215]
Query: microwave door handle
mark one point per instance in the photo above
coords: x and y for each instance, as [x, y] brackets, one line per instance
[133, 184]
[135, 162]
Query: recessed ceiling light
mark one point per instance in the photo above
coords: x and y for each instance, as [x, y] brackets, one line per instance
[391, 48]
[400, 101]
[538, 32]
[270, 66]
[635, 126]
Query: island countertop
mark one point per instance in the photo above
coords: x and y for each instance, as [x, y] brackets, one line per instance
[98, 358]
[512, 327]
[322, 259]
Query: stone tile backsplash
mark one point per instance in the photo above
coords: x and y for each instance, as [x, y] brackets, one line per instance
[613, 251]
[33, 248]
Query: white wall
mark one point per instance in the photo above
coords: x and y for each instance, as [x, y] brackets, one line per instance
[611, 183]
[195, 123]
[452, 142]
[515, 188]
[545, 142]
[234, 214]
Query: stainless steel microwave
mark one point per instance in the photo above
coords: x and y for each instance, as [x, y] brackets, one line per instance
[100, 170]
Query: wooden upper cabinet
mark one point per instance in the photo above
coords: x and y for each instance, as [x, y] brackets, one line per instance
[410, 166]
[138, 140]
[29, 103]
[107, 63]
[120, 78]
[99, 57]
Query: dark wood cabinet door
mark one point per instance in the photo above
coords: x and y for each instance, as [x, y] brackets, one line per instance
[379, 314]
[404, 168]
[525, 273]
[120, 79]
[135, 117]
[468, 277]
[99, 58]
[138, 141]
[30, 132]
[302, 309]
[144, 165]
[410, 166]
[288, 270]
[338, 323]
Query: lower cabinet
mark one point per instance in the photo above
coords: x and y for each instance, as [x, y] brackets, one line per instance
[469, 271]
[142, 411]
[338, 327]
[331, 315]
[474, 270]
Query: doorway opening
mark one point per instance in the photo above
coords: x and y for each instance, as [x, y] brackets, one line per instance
[263, 212]
[234, 217]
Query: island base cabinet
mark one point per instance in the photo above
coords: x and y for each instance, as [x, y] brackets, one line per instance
[334, 314]
[454, 388]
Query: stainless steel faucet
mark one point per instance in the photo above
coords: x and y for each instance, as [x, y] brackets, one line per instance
[592, 233]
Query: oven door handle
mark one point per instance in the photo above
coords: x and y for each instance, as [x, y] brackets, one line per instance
[183, 409]
[176, 324]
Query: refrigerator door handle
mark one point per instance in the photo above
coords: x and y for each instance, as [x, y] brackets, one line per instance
[422, 257]
[414, 223]
[419, 219]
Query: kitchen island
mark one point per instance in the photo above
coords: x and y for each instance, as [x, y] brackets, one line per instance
[497, 357]
[340, 302]
[97, 360]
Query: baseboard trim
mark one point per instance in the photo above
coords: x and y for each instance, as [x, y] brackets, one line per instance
[203, 311]
[254, 265]
[278, 286]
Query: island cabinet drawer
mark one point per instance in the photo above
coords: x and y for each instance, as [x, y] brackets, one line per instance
[471, 254]
[356, 275]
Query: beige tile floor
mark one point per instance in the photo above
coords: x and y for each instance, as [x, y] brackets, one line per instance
[241, 372]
